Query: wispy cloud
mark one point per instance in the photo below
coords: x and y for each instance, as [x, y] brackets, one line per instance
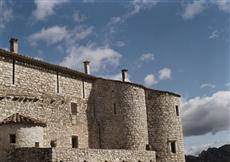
[224, 5]
[147, 57]
[207, 85]
[45, 8]
[202, 115]
[78, 17]
[6, 13]
[135, 7]
[50, 35]
[228, 84]
[57, 34]
[150, 80]
[165, 73]
[214, 35]
[193, 9]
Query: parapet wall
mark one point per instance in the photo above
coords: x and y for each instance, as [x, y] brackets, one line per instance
[80, 155]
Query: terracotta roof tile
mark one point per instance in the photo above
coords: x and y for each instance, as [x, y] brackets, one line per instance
[20, 119]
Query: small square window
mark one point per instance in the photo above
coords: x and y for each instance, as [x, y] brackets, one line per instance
[74, 108]
[173, 146]
[12, 138]
[177, 110]
[74, 141]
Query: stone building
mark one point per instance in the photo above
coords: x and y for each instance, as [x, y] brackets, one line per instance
[49, 113]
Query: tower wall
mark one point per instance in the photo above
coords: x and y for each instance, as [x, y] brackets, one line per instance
[164, 126]
[121, 113]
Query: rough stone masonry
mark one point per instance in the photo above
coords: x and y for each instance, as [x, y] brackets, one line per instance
[50, 113]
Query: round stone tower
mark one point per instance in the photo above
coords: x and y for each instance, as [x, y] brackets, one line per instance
[164, 126]
[133, 107]
[120, 110]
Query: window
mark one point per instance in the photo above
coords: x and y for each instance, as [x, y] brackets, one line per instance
[114, 108]
[36, 144]
[74, 141]
[177, 110]
[12, 138]
[173, 146]
[74, 108]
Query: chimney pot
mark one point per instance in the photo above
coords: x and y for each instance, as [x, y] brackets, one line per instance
[86, 67]
[14, 45]
[124, 75]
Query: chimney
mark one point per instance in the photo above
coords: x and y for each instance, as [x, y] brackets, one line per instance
[86, 67]
[124, 75]
[14, 45]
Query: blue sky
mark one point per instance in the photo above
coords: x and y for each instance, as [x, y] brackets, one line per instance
[180, 46]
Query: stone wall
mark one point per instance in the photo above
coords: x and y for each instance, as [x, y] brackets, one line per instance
[80, 155]
[34, 94]
[26, 136]
[121, 113]
[164, 126]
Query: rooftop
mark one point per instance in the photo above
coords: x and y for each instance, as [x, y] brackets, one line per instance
[20, 119]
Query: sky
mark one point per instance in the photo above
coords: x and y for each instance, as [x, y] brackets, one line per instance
[181, 46]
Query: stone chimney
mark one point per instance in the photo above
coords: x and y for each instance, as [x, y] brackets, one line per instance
[124, 75]
[14, 45]
[86, 67]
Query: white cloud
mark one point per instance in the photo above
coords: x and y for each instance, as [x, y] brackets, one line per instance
[207, 85]
[101, 58]
[197, 149]
[150, 80]
[57, 34]
[45, 8]
[119, 44]
[193, 9]
[6, 14]
[214, 35]
[81, 32]
[50, 35]
[117, 76]
[165, 73]
[79, 17]
[202, 115]
[227, 84]
[147, 57]
[139, 5]
[224, 5]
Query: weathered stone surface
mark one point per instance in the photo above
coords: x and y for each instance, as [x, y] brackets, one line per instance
[110, 114]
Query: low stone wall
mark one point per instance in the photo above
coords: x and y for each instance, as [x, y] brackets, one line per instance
[80, 155]
[30, 155]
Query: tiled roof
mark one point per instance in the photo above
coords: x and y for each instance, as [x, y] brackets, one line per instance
[43, 64]
[20, 119]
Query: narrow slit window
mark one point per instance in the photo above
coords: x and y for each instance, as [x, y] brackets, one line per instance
[114, 108]
[74, 141]
[74, 110]
[12, 138]
[173, 146]
[13, 73]
[177, 110]
[57, 82]
[83, 88]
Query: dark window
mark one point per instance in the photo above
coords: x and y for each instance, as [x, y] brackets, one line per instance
[13, 79]
[177, 110]
[12, 138]
[36, 144]
[57, 82]
[173, 146]
[74, 141]
[74, 108]
[114, 108]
